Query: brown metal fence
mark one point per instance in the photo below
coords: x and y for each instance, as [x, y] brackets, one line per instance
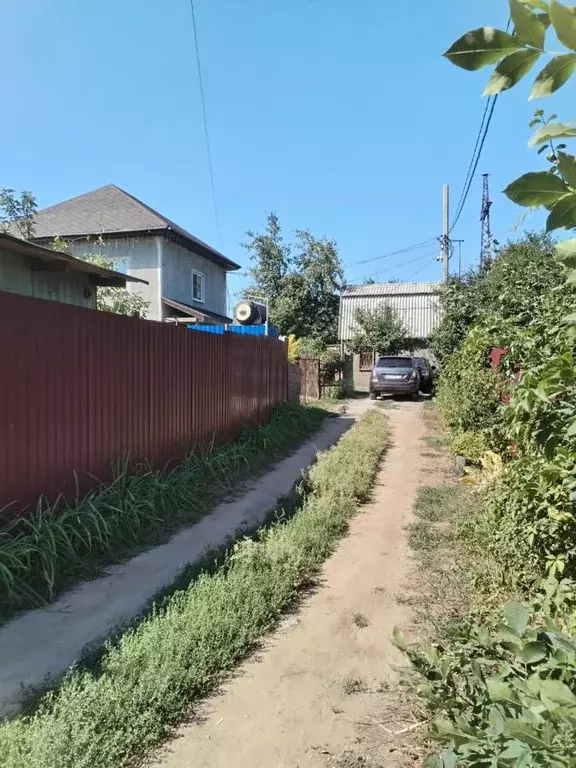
[80, 388]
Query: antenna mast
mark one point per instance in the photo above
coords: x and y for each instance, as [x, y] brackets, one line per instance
[486, 245]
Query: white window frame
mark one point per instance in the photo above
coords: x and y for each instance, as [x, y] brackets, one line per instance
[202, 277]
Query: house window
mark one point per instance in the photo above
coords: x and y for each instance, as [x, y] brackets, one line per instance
[366, 361]
[198, 286]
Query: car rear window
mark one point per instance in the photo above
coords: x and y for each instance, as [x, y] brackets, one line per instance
[394, 362]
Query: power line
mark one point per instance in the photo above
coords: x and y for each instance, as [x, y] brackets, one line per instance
[471, 165]
[393, 253]
[205, 118]
[477, 152]
[413, 275]
[397, 266]
[480, 141]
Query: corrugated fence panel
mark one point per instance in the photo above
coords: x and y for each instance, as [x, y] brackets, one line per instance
[80, 389]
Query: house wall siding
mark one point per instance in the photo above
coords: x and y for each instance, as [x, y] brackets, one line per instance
[17, 276]
[167, 268]
[177, 266]
[141, 257]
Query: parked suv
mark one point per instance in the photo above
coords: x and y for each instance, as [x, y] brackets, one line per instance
[394, 376]
[426, 371]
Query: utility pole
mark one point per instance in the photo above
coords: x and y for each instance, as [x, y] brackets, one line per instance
[486, 240]
[445, 233]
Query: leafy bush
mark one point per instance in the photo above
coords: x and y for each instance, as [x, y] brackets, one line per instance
[146, 682]
[512, 290]
[505, 697]
[471, 444]
[42, 553]
[460, 309]
[469, 391]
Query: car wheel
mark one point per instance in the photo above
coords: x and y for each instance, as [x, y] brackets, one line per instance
[373, 395]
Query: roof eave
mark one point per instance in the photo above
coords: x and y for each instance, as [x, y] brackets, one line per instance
[169, 232]
[64, 262]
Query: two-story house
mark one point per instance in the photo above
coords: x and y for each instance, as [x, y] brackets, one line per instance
[185, 277]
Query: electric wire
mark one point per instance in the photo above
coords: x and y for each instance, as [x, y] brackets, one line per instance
[205, 119]
[393, 253]
[477, 152]
[396, 266]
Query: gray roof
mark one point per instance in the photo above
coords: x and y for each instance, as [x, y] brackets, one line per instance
[98, 275]
[391, 289]
[110, 211]
[417, 304]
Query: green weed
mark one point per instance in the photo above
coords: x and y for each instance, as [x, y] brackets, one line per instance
[146, 682]
[58, 544]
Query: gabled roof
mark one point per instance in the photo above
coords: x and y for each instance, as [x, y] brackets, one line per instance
[110, 211]
[391, 289]
[46, 258]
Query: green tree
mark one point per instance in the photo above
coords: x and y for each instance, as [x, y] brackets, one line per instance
[271, 260]
[17, 213]
[318, 263]
[379, 330]
[301, 281]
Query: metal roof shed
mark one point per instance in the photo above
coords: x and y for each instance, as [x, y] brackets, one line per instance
[417, 304]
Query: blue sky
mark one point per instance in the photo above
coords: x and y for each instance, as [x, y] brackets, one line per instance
[341, 116]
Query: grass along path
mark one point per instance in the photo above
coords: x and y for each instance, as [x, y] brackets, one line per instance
[498, 685]
[146, 683]
[58, 545]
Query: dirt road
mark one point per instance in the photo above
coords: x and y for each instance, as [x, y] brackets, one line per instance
[92, 610]
[322, 691]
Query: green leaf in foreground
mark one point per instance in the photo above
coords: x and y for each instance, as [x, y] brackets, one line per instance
[567, 167]
[517, 617]
[537, 188]
[524, 732]
[498, 690]
[529, 27]
[563, 214]
[566, 252]
[480, 47]
[553, 131]
[398, 638]
[538, 4]
[564, 21]
[558, 692]
[533, 652]
[554, 75]
[511, 70]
